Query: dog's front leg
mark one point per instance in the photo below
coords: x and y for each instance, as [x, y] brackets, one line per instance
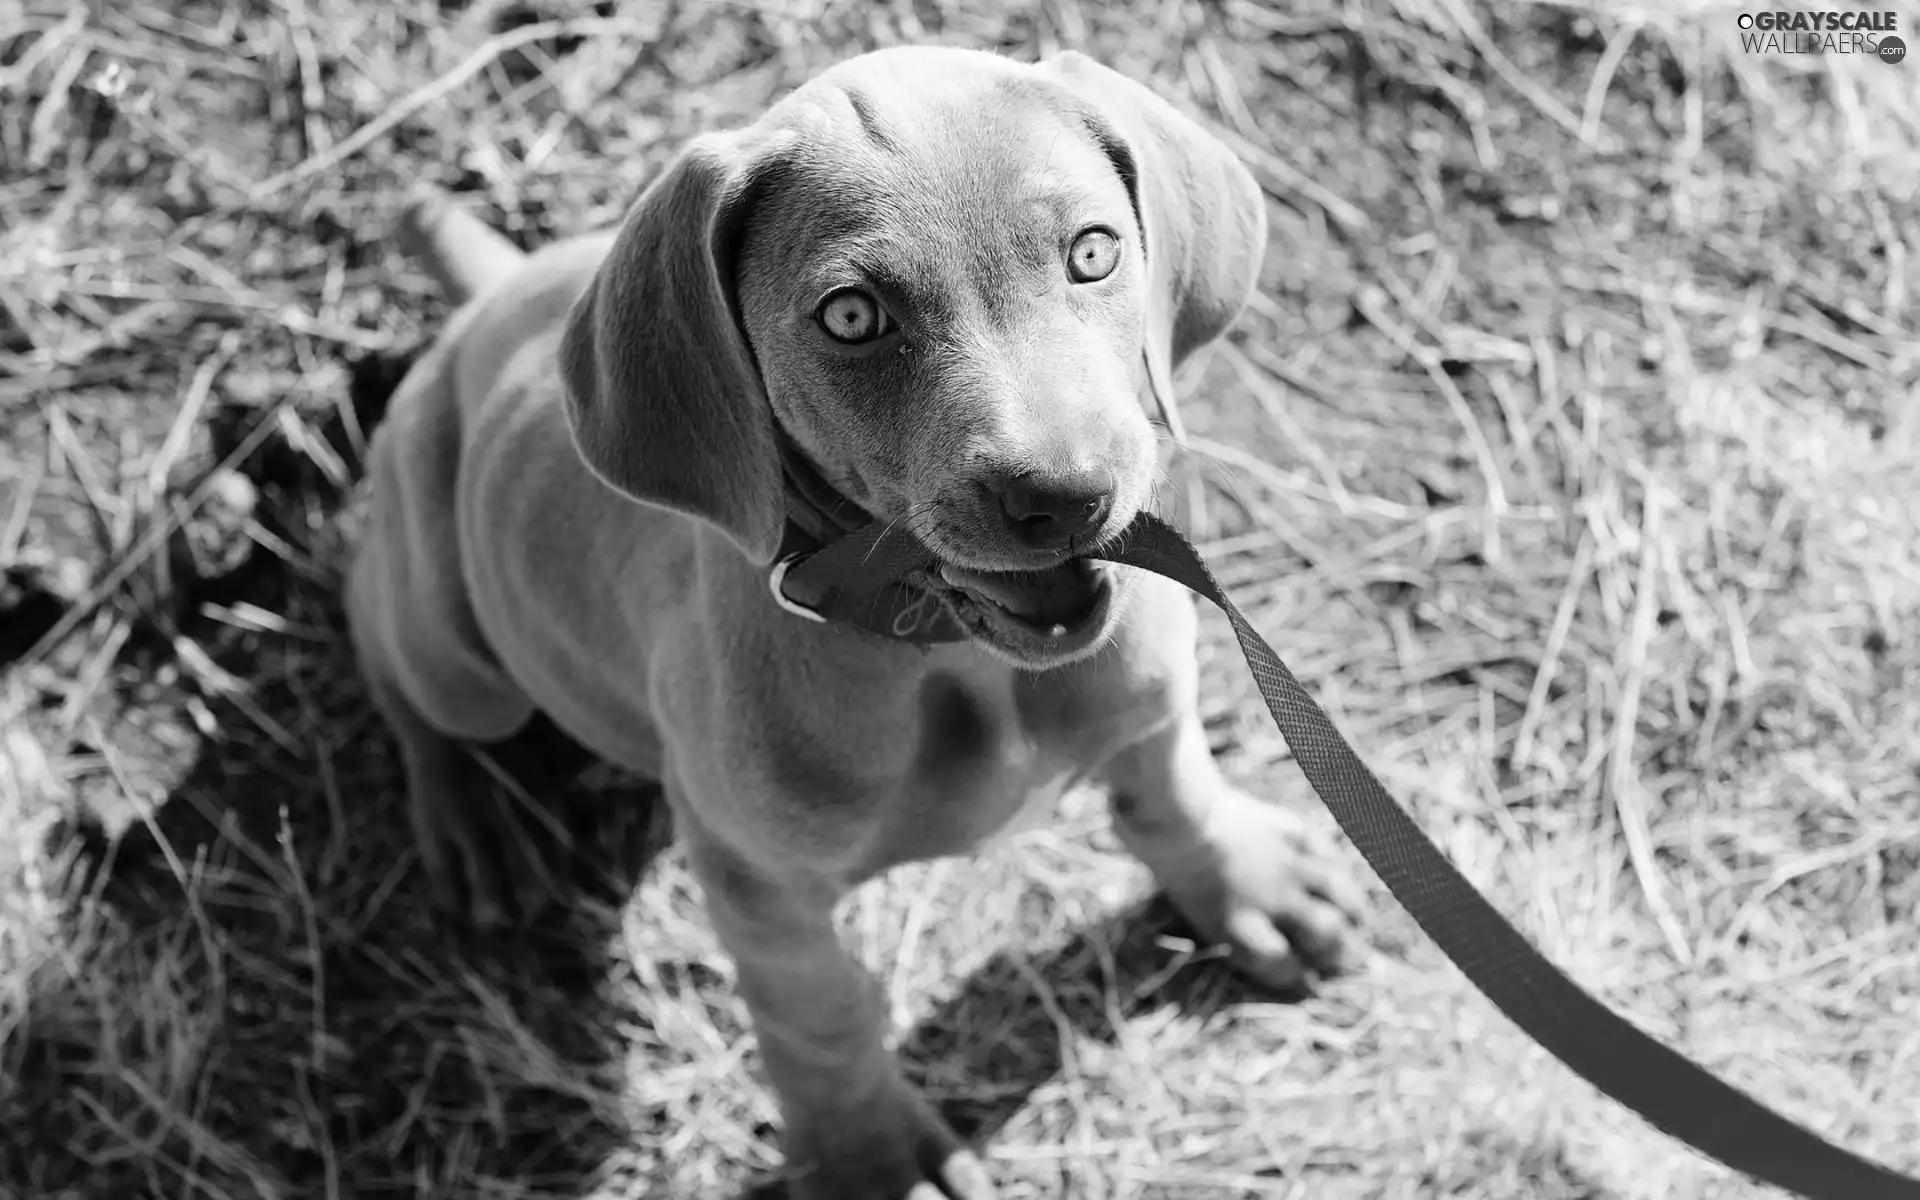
[1239, 869]
[855, 1129]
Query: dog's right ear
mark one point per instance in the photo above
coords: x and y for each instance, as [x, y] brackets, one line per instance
[663, 395]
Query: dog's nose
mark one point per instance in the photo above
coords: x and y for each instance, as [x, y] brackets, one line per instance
[1048, 511]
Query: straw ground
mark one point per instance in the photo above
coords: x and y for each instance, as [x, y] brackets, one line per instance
[1568, 454]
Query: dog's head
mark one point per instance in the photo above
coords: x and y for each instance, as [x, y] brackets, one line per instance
[950, 279]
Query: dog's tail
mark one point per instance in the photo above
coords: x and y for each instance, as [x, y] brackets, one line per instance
[464, 255]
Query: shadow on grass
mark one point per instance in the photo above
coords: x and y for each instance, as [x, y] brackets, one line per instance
[1002, 1034]
[1000, 1037]
[260, 997]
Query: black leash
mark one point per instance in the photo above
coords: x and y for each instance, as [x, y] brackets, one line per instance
[855, 579]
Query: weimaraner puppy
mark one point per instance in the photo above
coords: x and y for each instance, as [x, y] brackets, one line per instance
[950, 284]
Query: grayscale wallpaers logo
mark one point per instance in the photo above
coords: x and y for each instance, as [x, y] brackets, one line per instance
[1801, 31]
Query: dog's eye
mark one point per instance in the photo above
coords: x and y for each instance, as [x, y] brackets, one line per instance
[1093, 255]
[850, 315]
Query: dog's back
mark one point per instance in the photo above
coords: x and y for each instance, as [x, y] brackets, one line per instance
[409, 587]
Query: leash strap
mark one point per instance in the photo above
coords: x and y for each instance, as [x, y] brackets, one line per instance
[1672, 1092]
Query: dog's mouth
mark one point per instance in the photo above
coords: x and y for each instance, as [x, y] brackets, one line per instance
[1038, 615]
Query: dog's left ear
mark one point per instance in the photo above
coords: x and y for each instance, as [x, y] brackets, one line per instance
[1200, 210]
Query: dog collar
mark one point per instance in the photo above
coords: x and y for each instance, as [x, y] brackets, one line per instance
[818, 516]
[892, 609]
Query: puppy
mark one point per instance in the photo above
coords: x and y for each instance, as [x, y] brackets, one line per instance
[951, 290]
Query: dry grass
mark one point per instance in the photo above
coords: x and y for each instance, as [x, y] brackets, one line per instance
[1569, 453]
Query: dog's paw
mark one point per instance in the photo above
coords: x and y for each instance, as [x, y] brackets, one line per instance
[899, 1149]
[1275, 897]
[482, 864]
